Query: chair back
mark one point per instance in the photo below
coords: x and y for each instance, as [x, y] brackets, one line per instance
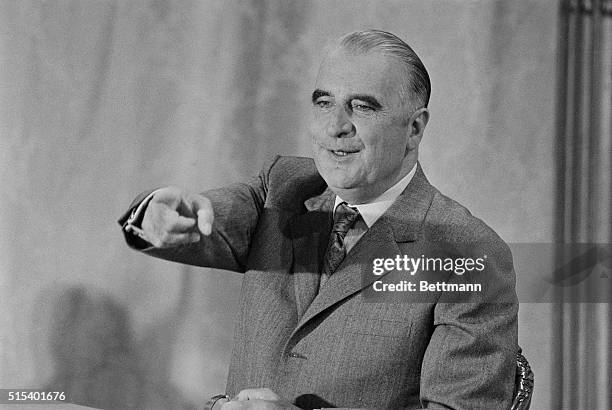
[523, 385]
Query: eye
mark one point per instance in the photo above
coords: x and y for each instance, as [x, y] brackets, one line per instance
[356, 106]
[323, 103]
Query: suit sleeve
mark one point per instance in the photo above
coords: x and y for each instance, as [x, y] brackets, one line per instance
[470, 362]
[236, 213]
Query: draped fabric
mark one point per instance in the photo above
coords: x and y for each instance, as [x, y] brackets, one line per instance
[585, 198]
[101, 100]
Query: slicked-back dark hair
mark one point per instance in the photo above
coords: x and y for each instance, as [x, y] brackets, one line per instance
[418, 87]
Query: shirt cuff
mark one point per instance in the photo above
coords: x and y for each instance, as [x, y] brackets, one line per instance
[134, 222]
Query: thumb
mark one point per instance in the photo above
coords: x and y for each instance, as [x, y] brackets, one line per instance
[202, 207]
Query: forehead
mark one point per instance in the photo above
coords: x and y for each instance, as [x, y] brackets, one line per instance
[374, 73]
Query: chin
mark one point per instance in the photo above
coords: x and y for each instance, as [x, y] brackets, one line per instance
[337, 178]
[338, 175]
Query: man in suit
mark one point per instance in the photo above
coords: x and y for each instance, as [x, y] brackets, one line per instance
[316, 326]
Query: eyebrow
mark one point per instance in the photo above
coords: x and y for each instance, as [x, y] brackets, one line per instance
[316, 94]
[371, 100]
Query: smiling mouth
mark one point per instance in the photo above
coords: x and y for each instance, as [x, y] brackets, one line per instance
[343, 153]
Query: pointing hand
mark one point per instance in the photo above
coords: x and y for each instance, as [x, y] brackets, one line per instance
[175, 217]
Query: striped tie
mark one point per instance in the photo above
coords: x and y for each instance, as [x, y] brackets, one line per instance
[344, 219]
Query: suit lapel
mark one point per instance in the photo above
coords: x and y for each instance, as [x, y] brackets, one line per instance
[407, 214]
[355, 271]
[310, 233]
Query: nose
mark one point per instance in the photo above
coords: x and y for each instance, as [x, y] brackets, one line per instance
[340, 125]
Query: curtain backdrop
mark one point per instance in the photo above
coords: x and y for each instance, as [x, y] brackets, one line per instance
[584, 206]
[100, 100]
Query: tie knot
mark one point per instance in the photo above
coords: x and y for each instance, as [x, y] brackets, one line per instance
[344, 218]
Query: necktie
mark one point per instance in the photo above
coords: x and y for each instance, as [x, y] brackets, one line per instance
[344, 219]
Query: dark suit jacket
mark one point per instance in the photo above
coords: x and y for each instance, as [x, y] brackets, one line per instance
[346, 346]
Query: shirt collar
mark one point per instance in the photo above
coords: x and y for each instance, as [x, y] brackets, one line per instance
[371, 211]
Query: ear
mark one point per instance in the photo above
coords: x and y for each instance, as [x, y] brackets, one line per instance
[416, 127]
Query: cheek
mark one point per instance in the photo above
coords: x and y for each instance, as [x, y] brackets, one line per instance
[318, 123]
[313, 141]
[385, 153]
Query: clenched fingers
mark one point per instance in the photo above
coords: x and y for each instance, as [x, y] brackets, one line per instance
[163, 227]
